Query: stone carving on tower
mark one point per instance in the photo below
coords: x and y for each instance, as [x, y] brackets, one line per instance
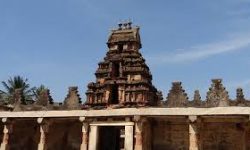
[122, 78]
[240, 98]
[177, 96]
[197, 102]
[73, 100]
[217, 96]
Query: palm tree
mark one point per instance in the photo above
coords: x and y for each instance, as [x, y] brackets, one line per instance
[39, 90]
[17, 82]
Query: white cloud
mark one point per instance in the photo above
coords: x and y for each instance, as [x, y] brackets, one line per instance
[202, 51]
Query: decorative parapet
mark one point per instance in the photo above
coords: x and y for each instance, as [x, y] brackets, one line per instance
[240, 98]
[177, 96]
[73, 100]
[197, 102]
[217, 96]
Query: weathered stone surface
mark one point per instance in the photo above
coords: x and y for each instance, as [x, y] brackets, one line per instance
[225, 128]
[222, 136]
[197, 102]
[240, 98]
[68, 135]
[168, 134]
[177, 96]
[73, 100]
[24, 135]
[131, 111]
[123, 78]
[217, 95]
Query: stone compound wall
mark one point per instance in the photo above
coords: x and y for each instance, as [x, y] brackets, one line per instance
[143, 131]
[170, 135]
[24, 135]
[223, 136]
[212, 133]
[64, 136]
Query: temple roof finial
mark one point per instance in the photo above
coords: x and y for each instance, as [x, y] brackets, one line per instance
[126, 24]
[119, 25]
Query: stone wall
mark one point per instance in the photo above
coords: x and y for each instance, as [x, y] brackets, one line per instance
[164, 130]
[64, 135]
[24, 135]
[222, 136]
[170, 134]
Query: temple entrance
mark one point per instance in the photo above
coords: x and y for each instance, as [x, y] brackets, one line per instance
[111, 138]
[114, 94]
[115, 135]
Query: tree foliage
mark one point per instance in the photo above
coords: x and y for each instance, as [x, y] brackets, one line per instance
[39, 90]
[14, 83]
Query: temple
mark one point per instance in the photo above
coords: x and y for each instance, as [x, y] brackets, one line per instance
[123, 78]
[124, 111]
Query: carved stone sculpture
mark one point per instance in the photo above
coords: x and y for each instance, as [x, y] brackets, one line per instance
[177, 96]
[217, 96]
[73, 100]
[197, 102]
[240, 98]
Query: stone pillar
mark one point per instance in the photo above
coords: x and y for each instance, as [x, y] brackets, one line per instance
[244, 139]
[8, 126]
[85, 130]
[193, 133]
[139, 121]
[44, 128]
[129, 136]
[245, 127]
[93, 137]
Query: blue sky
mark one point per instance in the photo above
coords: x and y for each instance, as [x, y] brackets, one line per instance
[58, 43]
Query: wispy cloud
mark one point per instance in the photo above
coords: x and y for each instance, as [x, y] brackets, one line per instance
[200, 52]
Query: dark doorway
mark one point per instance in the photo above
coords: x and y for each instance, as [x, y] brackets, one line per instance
[120, 48]
[111, 138]
[115, 69]
[114, 94]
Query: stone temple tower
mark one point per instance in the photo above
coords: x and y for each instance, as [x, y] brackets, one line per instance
[123, 78]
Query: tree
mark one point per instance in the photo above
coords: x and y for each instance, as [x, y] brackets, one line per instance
[17, 82]
[39, 90]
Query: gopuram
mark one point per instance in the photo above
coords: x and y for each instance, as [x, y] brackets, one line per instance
[124, 111]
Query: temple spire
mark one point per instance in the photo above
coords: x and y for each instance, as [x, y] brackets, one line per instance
[217, 94]
[177, 97]
[122, 77]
